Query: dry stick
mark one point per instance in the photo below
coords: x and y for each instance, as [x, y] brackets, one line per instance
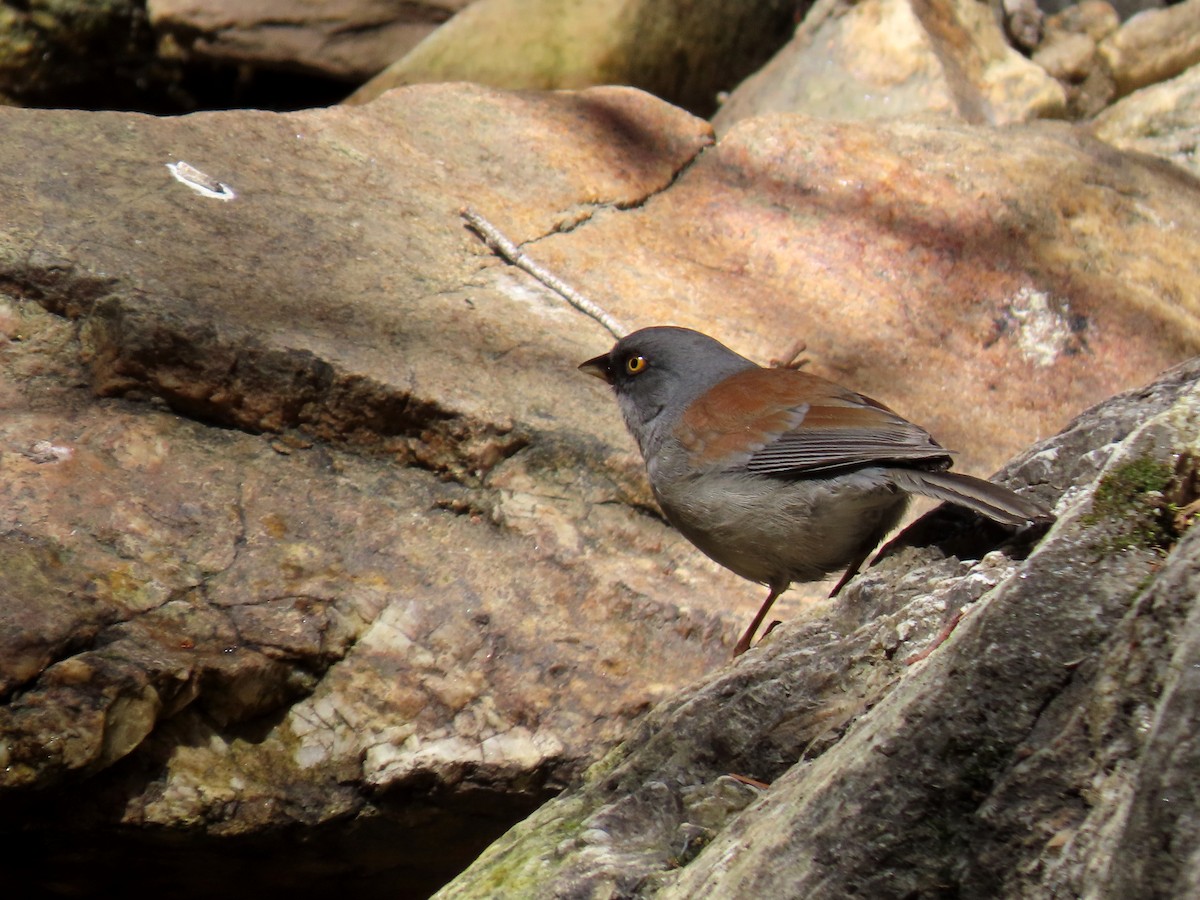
[508, 251]
[792, 358]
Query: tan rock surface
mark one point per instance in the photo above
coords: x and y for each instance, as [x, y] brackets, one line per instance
[325, 624]
[685, 51]
[1095, 18]
[981, 280]
[1068, 56]
[434, 585]
[893, 58]
[1068, 51]
[1153, 46]
[1162, 120]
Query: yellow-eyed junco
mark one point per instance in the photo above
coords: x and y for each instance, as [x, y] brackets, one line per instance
[776, 474]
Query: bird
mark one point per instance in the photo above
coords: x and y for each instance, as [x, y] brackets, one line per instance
[777, 474]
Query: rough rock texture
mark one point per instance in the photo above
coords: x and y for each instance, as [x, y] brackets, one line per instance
[310, 527]
[889, 58]
[347, 39]
[684, 51]
[1163, 120]
[406, 611]
[1046, 749]
[984, 280]
[1153, 46]
[1069, 52]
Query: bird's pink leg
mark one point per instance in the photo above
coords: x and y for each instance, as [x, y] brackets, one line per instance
[850, 573]
[743, 643]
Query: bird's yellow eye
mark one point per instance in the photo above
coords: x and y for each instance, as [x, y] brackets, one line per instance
[635, 365]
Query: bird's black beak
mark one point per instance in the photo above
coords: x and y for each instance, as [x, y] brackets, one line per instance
[599, 367]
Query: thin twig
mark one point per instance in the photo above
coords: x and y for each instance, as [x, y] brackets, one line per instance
[792, 358]
[508, 251]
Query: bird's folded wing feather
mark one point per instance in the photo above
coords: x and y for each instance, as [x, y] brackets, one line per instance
[771, 421]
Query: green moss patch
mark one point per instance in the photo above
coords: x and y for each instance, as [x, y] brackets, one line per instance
[1138, 505]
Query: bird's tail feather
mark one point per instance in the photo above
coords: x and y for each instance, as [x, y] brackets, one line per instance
[988, 499]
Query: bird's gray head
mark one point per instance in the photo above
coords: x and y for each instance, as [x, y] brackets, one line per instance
[656, 372]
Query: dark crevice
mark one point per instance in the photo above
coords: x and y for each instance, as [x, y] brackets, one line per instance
[109, 58]
[566, 226]
[59, 290]
[223, 376]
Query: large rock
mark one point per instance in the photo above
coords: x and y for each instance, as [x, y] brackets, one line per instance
[1163, 119]
[307, 519]
[985, 281]
[681, 50]
[1068, 50]
[400, 612]
[892, 58]
[1046, 749]
[1153, 46]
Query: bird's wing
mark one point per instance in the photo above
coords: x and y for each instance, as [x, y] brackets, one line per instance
[773, 421]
